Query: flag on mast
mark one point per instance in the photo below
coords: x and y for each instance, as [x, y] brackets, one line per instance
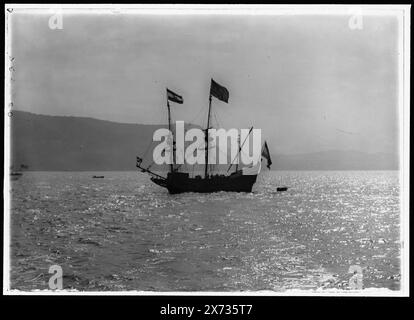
[266, 154]
[172, 96]
[219, 91]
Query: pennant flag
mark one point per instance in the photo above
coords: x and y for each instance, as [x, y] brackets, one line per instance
[174, 97]
[219, 92]
[266, 154]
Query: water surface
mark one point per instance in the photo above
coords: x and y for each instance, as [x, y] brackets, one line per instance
[125, 233]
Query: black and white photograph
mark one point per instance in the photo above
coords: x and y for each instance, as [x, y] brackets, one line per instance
[257, 150]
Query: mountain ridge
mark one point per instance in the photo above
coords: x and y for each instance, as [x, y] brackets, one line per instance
[70, 143]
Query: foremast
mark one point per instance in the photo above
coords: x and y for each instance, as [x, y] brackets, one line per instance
[173, 138]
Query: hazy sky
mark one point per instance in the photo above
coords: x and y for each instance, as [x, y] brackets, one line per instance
[309, 82]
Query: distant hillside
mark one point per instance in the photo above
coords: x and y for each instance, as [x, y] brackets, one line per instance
[55, 143]
[336, 160]
[72, 143]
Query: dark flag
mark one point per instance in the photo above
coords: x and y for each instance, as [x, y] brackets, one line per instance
[219, 92]
[266, 154]
[174, 97]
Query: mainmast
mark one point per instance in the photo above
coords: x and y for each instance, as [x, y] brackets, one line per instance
[206, 136]
[173, 143]
[238, 152]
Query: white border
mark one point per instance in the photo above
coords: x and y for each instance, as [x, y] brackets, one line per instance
[401, 11]
[404, 141]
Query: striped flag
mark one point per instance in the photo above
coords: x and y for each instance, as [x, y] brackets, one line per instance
[172, 96]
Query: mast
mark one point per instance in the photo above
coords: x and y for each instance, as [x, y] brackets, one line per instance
[206, 136]
[169, 128]
[238, 153]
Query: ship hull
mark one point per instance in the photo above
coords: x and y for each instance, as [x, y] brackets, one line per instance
[181, 182]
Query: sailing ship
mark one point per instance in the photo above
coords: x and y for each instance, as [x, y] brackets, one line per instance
[16, 175]
[240, 180]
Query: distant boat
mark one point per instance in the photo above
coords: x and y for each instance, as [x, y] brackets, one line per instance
[15, 175]
[281, 189]
[240, 180]
[98, 177]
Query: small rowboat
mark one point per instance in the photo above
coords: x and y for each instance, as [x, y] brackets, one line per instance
[15, 175]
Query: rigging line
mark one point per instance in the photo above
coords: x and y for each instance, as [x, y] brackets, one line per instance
[214, 117]
[178, 166]
[217, 119]
[240, 148]
[197, 115]
[146, 151]
[149, 167]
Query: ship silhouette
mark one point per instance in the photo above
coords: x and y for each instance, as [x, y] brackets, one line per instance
[239, 180]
